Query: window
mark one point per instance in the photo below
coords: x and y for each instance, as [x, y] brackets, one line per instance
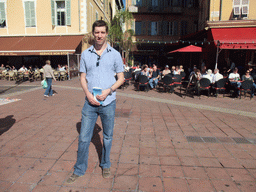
[154, 28]
[188, 3]
[137, 3]
[183, 28]
[61, 14]
[171, 28]
[240, 8]
[2, 15]
[30, 15]
[176, 3]
[138, 28]
[154, 3]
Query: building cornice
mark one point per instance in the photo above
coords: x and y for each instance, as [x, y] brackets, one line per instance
[231, 23]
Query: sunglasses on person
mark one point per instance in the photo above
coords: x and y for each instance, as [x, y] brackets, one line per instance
[98, 61]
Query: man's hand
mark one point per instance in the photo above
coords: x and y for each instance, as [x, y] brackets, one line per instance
[104, 95]
[91, 100]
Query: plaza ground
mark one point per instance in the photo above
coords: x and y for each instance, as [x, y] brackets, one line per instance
[162, 142]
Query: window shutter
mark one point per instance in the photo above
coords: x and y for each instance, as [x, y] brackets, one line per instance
[165, 28]
[149, 27]
[175, 28]
[2, 12]
[32, 15]
[144, 28]
[27, 13]
[236, 7]
[245, 7]
[53, 12]
[68, 12]
[133, 2]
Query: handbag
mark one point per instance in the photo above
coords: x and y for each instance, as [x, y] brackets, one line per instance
[44, 84]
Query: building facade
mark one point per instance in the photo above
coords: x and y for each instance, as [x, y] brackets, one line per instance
[230, 30]
[158, 26]
[34, 30]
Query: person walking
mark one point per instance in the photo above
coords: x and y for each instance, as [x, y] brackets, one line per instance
[98, 67]
[48, 76]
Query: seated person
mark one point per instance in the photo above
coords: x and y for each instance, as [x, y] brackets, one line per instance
[247, 76]
[217, 76]
[181, 68]
[2, 68]
[154, 77]
[234, 79]
[126, 67]
[208, 75]
[144, 70]
[166, 71]
[23, 69]
[31, 72]
[176, 71]
[173, 69]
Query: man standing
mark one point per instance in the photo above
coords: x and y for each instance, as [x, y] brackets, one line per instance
[98, 67]
[48, 76]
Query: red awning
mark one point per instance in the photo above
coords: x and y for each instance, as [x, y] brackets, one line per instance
[190, 48]
[43, 45]
[234, 38]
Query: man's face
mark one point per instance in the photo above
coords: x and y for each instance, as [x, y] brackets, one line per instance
[100, 35]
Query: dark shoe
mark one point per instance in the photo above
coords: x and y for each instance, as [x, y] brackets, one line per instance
[106, 173]
[72, 178]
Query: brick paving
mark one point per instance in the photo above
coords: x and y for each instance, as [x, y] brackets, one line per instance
[162, 142]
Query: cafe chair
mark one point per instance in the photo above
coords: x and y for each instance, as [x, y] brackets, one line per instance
[63, 76]
[168, 83]
[220, 85]
[177, 81]
[204, 84]
[246, 87]
[127, 78]
[142, 82]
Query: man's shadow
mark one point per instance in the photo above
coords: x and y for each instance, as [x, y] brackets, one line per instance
[6, 123]
[96, 140]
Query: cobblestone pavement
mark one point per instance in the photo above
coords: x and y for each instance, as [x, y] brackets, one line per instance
[162, 142]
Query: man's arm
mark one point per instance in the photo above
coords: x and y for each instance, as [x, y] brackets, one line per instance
[89, 95]
[118, 83]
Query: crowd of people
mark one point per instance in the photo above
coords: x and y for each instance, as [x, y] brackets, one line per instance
[31, 73]
[234, 80]
[154, 74]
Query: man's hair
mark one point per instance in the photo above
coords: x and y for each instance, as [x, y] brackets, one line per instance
[144, 66]
[99, 23]
[48, 62]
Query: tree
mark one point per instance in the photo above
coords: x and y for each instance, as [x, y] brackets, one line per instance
[120, 37]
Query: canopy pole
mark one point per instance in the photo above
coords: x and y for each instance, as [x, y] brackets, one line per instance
[68, 67]
[217, 54]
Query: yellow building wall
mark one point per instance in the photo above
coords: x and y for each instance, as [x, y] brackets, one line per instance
[15, 17]
[223, 10]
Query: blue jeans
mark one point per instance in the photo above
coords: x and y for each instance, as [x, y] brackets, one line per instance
[90, 115]
[152, 82]
[48, 90]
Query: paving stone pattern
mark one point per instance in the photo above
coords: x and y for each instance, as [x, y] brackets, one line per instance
[161, 142]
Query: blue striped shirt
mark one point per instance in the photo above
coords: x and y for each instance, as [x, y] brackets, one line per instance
[103, 75]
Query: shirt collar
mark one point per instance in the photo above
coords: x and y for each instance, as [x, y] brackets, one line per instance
[91, 49]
